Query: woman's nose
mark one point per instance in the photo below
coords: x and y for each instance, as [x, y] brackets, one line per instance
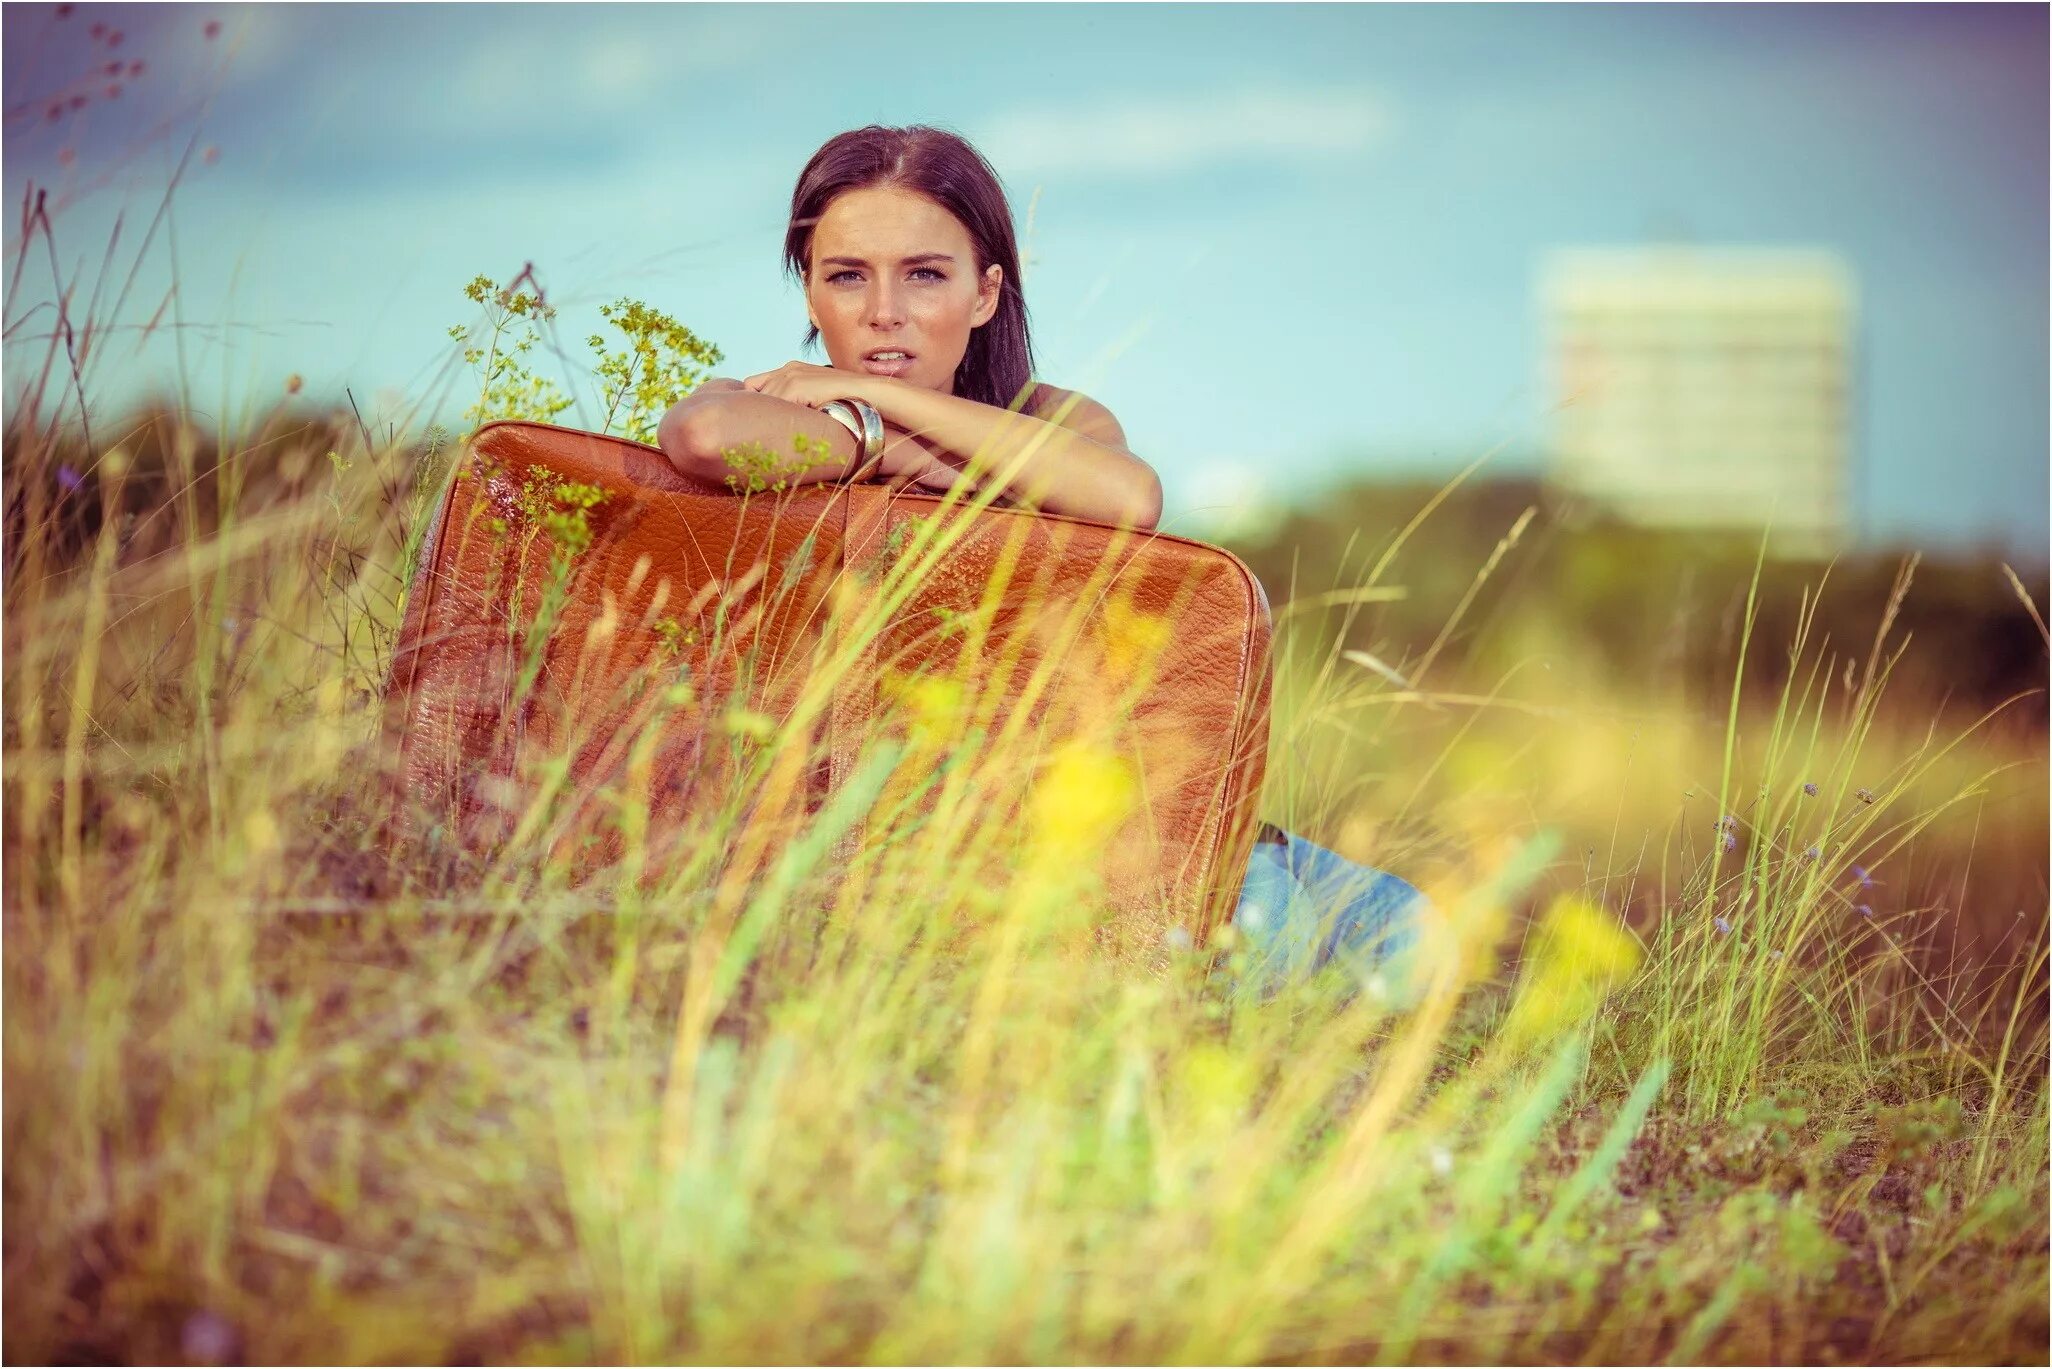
[883, 308]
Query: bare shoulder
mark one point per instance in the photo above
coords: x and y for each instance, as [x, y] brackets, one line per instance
[1085, 415]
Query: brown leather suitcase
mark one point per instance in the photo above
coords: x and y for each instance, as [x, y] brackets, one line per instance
[684, 620]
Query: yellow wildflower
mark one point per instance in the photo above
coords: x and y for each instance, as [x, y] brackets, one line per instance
[1578, 955]
[260, 832]
[935, 704]
[1133, 640]
[1079, 800]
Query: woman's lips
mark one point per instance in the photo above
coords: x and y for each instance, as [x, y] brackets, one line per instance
[895, 366]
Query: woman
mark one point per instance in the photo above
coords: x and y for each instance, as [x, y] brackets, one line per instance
[903, 242]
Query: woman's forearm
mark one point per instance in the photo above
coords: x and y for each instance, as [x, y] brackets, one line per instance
[697, 434]
[1057, 468]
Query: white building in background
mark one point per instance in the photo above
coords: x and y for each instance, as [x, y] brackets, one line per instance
[1704, 388]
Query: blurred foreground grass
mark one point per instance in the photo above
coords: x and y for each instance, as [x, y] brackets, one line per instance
[1765, 1083]
[273, 1094]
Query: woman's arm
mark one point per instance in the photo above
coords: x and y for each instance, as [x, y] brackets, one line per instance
[698, 430]
[1075, 463]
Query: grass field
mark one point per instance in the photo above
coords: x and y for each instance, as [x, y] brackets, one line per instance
[1704, 1069]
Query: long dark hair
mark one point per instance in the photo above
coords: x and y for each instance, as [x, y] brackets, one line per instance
[998, 366]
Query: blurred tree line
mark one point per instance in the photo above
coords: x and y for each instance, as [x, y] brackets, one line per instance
[173, 480]
[1662, 611]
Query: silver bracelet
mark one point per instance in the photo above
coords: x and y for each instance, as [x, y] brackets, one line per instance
[872, 433]
[838, 410]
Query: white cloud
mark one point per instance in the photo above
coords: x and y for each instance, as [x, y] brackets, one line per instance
[533, 77]
[1166, 134]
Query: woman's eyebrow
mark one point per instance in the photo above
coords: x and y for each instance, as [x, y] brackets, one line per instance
[908, 261]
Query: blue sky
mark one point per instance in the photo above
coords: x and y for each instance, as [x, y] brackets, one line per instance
[1285, 243]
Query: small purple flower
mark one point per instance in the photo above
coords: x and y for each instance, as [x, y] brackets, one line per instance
[69, 478]
[1727, 823]
[1731, 841]
[1811, 854]
[1866, 880]
[1865, 911]
[1723, 927]
[209, 1338]
[1810, 789]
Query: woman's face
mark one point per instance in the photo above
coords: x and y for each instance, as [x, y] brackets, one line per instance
[893, 270]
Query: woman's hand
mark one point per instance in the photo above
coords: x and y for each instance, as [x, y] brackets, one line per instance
[801, 382]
